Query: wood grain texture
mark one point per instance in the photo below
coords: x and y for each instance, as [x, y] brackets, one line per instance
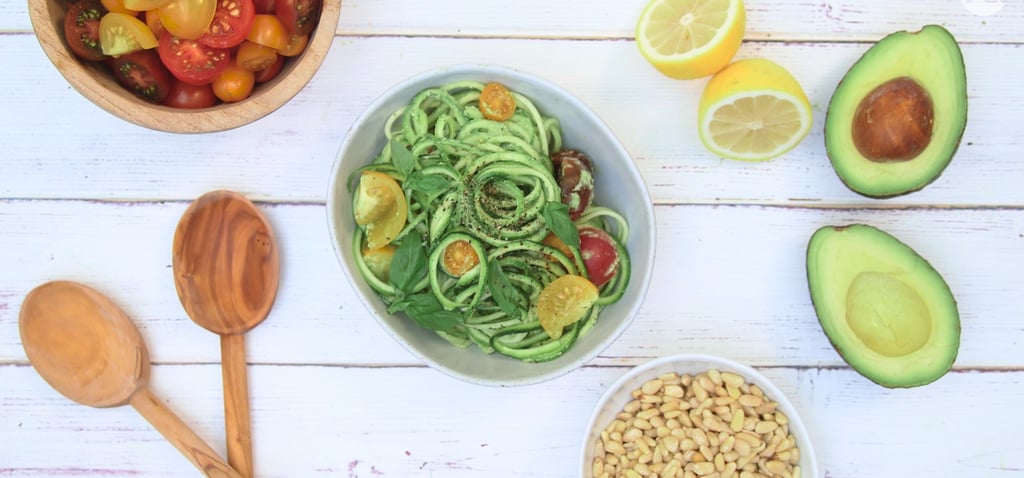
[413, 421]
[85, 196]
[293, 148]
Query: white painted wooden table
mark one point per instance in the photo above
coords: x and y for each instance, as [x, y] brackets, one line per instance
[85, 196]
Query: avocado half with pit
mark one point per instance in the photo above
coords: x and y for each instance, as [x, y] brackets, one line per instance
[884, 308]
[896, 118]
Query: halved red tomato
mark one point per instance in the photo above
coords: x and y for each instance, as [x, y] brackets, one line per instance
[231, 23]
[191, 61]
[263, 6]
[298, 16]
[184, 95]
[600, 254]
[143, 73]
[82, 29]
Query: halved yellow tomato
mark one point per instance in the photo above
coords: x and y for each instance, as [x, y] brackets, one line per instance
[255, 57]
[268, 30]
[187, 18]
[121, 33]
[564, 301]
[296, 45]
[458, 258]
[380, 208]
[117, 6]
[143, 5]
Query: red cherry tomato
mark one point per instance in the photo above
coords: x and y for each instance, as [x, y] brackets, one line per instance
[576, 177]
[191, 61]
[184, 95]
[143, 74]
[298, 16]
[264, 6]
[600, 254]
[231, 23]
[270, 72]
[82, 29]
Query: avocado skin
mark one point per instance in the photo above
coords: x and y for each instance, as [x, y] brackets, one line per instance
[869, 249]
[900, 54]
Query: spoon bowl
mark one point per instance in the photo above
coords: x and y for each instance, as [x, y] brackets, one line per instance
[226, 271]
[89, 350]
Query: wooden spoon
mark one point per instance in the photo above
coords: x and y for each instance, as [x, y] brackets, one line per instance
[226, 270]
[88, 349]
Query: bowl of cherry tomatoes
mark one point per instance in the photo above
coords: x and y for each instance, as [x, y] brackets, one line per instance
[186, 66]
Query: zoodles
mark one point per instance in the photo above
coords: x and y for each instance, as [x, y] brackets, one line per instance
[488, 221]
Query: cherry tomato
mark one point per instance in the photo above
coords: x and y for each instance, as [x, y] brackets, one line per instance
[496, 102]
[153, 22]
[121, 33]
[234, 84]
[184, 95]
[298, 16]
[576, 177]
[268, 30]
[458, 258]
[270, 72]
[143, 74]
[263, 6]
[191, 61]
[82, 29]
[231, 23]
[188, 18]
[116, 6]
[600, 254]
[142, 5]
[296, 45]
[255, 57]
[564, 301]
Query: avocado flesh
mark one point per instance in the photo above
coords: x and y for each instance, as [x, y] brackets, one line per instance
[885, 310]
[932, 59]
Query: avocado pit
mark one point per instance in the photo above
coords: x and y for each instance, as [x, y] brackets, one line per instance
[893, 122]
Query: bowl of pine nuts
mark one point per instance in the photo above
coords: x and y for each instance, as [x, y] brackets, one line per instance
[696, 416]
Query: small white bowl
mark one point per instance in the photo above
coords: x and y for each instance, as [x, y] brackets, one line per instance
[618, 185]
[619, 394]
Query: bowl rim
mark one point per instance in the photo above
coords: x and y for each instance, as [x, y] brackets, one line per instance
[797, 426]
[477, 70]
[112, 98]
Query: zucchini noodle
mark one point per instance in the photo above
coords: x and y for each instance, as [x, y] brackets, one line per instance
[486, 184]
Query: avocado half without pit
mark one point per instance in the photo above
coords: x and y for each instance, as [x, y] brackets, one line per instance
[896, 118]
[884, 308]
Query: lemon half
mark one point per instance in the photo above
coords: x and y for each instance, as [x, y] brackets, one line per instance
[753, 110]
[687, 39]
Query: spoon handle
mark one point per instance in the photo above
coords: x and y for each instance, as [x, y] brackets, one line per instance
[237, 425]
[180, 435]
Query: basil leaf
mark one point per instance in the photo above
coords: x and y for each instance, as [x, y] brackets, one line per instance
[556, 215]
[429, 184]
[501, 289]
[403, 159]
[409, 264]
[425, 310]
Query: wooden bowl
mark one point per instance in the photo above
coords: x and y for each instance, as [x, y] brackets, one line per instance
[93, 81]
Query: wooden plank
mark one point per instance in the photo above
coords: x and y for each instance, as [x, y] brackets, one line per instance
[286, 156]
[354, 421]
[728, 280]
[775, 20]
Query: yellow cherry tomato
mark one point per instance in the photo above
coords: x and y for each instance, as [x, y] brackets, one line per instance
[121, 33]
[187, 19]
[255, 57]
[296, 45]
[117, 6]
[234, 84]
[564, 301]
[143, 5]
[267, 30]
[496, 102]
[458, 258]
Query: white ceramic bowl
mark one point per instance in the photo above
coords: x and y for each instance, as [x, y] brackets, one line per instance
[619, 393]
[618, 185]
